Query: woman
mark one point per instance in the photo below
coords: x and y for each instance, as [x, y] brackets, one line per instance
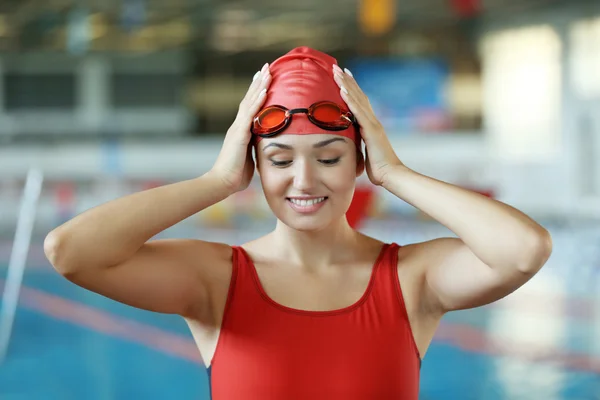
[314, 309]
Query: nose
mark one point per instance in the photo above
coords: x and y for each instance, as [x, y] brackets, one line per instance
[304, 176]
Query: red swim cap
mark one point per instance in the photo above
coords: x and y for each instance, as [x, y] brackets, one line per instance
[301, 78]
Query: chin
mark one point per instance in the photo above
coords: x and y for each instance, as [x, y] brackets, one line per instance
[306, 224]
[316, 222]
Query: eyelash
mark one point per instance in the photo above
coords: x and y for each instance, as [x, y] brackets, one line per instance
[332, 161]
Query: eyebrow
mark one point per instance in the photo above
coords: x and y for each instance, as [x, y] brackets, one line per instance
[328, 141]
[316, 145]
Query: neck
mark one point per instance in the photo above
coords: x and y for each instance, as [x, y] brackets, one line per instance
[315, 249]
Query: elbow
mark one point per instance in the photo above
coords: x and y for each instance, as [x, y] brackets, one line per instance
[51, 244]
[538, 248]
[54, 249]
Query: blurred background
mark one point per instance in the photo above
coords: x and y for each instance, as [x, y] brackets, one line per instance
[110, 97]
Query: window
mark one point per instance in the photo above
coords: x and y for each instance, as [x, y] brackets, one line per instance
[147, 90]
[39, 91]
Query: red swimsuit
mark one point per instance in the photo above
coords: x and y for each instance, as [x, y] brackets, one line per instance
[267, 351]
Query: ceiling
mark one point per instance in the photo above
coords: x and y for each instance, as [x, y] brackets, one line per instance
[421, 10]
[225, 24]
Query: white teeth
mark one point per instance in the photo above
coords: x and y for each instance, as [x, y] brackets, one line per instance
[307, 203]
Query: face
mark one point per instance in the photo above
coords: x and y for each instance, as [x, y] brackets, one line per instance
[308, 180]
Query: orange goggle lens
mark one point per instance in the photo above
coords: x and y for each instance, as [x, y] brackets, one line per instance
[327, 115]
[271, 117]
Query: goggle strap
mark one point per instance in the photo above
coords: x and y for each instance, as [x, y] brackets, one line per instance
[298, 111]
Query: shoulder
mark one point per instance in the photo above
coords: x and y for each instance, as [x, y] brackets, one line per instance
[212, 261]
[368, 245]
[259, 249]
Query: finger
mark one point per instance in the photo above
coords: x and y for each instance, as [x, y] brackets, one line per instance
[361, 106]
[353, 83]
[346, 85]
[350, 83]
[257, 81]
[349, 96]
[342, 83]
[249, 105]
[257, 99]
[363, 112]
[253, 86]
[248, 110]
[256, 78]
[264, 83]
[257, 103]
[352, 86]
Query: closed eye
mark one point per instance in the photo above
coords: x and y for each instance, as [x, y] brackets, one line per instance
[280, 163]
[331, 161]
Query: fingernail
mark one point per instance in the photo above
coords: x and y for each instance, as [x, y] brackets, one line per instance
[264, 68]
[262, 92]
[344, 90]
[335, 66]
[348, 72]
[256, 75]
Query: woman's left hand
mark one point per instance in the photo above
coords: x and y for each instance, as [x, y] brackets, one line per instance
[380, 156]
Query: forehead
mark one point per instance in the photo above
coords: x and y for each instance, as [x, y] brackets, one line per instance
[303, 140]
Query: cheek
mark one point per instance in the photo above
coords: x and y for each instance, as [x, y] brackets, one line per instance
[345, 174]
[342, 180]
[273, 181]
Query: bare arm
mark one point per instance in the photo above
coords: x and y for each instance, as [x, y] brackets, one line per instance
[107, 250]
[498, 247]
[497, 250]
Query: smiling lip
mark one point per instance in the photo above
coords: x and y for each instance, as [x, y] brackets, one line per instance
[306, 204]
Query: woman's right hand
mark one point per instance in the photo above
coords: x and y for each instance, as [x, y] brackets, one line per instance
[234, 165]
